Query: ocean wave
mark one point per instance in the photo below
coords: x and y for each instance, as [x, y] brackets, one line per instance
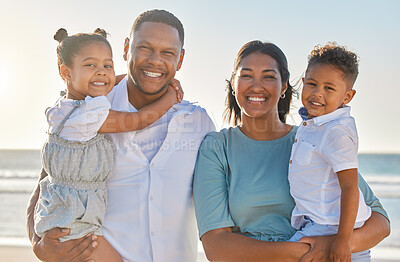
[19, 173]
[386, 179]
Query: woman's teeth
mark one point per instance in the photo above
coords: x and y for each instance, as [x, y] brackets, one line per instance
[256, 99]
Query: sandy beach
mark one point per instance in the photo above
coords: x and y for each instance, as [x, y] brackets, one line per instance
[21, 252]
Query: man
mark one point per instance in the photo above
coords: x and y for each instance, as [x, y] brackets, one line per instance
[150, 214]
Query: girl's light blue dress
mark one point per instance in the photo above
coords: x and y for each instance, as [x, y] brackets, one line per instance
[74, 195]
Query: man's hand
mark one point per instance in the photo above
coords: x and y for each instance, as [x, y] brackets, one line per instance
[50, 249]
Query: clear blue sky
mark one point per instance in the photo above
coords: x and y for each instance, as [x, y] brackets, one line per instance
[215, 30]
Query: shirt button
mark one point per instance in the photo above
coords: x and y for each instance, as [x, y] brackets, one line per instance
[295, 140]
[290, 161]
[152, 164]
[152, 233]
[151, 198]
[304, 123]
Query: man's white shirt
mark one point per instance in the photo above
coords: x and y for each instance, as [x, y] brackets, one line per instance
[150, 214]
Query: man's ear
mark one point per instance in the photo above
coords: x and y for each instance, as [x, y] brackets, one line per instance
[180, 60]
[65, 72]
[126, 48]
[349, 96]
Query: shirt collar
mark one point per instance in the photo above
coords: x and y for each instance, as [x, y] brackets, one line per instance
[119, 95]
[343, 111]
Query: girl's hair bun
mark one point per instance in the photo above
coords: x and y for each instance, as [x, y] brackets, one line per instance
[60, 35]
[100, 31]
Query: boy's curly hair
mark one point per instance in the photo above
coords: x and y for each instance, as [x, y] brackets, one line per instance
[337, 56]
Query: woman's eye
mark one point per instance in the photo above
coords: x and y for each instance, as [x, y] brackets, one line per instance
[245, 76]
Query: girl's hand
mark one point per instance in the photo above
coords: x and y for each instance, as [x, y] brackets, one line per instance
[320, 248]
[175, 90]
[340, 250]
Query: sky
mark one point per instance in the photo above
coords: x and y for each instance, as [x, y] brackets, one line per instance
[214, 32]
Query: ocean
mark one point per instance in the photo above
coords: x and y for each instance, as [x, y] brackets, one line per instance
[19, 171]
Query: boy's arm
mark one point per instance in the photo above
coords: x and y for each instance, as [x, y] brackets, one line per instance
[348, 180]
[118, 122]
[49, 248]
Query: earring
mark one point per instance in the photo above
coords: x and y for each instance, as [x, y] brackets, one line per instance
[283, 96]
[233, 92]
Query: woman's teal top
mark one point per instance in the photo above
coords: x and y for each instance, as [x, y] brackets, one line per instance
[243, 183]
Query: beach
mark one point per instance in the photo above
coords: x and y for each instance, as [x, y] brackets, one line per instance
[19, 170]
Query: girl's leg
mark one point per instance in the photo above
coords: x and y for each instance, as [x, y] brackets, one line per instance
[105, 252]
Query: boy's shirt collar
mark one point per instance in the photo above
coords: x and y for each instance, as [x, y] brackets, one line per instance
[343, 111]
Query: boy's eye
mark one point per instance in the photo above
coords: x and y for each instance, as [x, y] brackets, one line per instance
[90, 65]
[310, 84]
[269, 77]
[108, 66]
[329, 88]
[168, 53]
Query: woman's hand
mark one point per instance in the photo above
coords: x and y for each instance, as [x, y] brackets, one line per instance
[320, 248]
[49, 248]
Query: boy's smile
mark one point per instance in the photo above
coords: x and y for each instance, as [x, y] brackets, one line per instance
[324, 90]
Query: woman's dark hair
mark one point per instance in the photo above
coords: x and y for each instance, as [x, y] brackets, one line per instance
[338, 57]
[69, 46]
[232, 113]
[159, 16]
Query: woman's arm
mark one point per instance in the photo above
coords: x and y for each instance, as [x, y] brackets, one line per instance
[375, 229]
[224, 245]
[118, 122]
[49, 248]
[210, 194]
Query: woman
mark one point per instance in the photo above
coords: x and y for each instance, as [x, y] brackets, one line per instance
[241, 191]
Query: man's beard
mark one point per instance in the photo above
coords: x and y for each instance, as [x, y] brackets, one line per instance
[149, 93]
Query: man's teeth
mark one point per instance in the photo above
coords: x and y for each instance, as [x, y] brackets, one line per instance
[257, 99]
[316, 103]
[99, 83]
[151, 74]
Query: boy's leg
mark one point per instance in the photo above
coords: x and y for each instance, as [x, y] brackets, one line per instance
[363, 256]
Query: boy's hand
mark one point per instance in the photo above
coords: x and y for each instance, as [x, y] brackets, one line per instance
[340, 250]
[175, 89]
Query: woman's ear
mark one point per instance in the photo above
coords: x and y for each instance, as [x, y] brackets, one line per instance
[65, 72]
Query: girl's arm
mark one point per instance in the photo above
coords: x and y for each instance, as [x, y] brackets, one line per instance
[224, 245]
[348, 180]
[118, 122]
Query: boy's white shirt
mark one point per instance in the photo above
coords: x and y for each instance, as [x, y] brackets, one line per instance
[150, 214]
[323, 146]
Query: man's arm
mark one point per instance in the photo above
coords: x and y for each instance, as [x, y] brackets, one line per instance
[49, 248]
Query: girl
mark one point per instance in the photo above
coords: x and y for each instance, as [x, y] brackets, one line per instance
[77, 157]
